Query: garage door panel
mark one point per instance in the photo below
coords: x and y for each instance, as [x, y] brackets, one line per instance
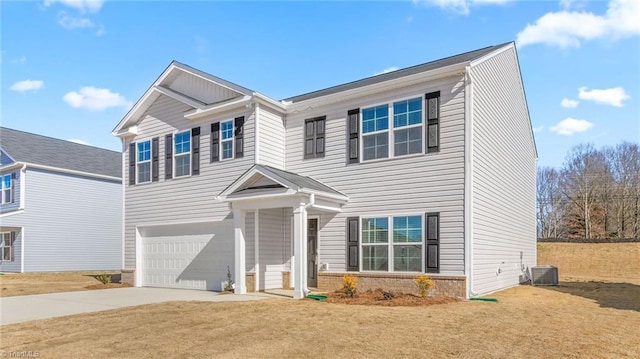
[192, 256]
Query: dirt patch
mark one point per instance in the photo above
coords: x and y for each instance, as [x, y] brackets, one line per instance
[14, 284]
[108, 286]
[389, 299]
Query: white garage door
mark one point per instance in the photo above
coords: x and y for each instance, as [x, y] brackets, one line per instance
[193, 256]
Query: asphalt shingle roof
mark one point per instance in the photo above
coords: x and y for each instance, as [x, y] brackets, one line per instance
[301, 181]
[448, 61]
[53, 152]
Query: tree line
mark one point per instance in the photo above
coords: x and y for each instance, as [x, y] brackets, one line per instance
[595, 194]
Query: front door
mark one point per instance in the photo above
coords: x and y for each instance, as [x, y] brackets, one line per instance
[312, 252]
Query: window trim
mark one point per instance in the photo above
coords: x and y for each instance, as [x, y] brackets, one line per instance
[175, 154]
[232, 140]
[12, 239]
[391, 128]
[10, 189]
[390, 244]
[143, 162]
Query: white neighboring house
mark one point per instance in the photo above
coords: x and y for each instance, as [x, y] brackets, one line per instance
[61, 207]
[429, 169]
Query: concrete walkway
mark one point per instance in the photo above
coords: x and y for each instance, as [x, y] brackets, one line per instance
[42, 306]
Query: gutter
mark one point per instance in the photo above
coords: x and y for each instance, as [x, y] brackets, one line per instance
[24, 165]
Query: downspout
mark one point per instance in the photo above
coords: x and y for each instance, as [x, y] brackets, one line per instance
[468, 180]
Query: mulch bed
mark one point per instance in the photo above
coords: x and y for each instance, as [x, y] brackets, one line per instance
[378, 297]
[108, 286]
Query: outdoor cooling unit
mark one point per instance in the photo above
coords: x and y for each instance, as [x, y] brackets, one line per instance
[544, 275]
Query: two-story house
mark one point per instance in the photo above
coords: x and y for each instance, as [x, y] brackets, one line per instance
[61, 207]
[427, 169]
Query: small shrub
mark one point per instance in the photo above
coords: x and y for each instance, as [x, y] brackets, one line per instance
[349, 284]
[424, 283]
[228, 285]
[387, 295]
[104, 278]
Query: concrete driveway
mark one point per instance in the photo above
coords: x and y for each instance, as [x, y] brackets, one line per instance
[41, 306]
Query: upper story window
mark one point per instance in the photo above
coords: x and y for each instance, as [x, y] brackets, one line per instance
[182, 153]
[6, 245]
[314, 135]
[394, 129]
[143, 161]
[6, 189]
[226, 129]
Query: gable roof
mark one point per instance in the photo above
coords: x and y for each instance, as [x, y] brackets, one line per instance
[52, 152]
[447, 61]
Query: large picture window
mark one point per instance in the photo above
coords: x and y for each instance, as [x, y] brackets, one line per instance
[143, 161]
[6, 246]
[393, 243]
[182, 153]
[382, 138]
[6, 189]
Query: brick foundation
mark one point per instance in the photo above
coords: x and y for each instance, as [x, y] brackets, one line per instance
[250, 279]
[286, 280]
[454, 286]
[128, 276]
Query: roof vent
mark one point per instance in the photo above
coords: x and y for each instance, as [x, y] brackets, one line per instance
[544, 275]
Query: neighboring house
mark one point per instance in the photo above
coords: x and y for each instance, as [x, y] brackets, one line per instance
[61, 205]
[428, 169]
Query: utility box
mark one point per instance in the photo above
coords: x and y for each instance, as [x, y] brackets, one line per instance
[544, 275]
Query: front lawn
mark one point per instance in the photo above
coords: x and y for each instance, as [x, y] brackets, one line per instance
[13, 284]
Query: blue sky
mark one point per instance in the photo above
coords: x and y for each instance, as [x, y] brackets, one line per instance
[70, 69]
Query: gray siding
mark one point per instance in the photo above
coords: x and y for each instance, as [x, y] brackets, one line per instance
[271, 138]
[503, 175]
[4, 159]
[8, 207]
[184, 199]
[201, 89]
[410, 185]
[17, 256]
[71, 223]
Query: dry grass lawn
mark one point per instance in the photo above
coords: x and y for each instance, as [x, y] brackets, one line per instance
[12, 284]
[575, 320]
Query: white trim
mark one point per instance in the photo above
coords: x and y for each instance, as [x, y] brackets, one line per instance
[62, 170]
[221, 141]
[217, 108]
[256, 240]
[173, 153]
[179, 97]
[468, 181]
[149, 161]
[259, 98]
[256, 135]
[22, 241]
[139, 258]
[9, 214]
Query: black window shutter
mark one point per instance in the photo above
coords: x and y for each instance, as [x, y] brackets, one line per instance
[195, 151]
[215, 142]
[432, 106]
[132, 163]
[239, 136]
[13, 188]
[432, 235]
[353, 124]
[168, 156]
[352, 244]
[13, 239]
[154, 158]
[320, 130]
[309, 134]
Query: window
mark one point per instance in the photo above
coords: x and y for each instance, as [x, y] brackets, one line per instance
[375, 132]
[6, 189]
[143, 161]
[182, 153]
[226, 129]
[392, 243]
[6, 246]
[314, 137]
[407, 124]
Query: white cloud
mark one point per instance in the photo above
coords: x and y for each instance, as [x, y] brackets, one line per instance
[388, 69]
[80, 142]
[538, 129]
[95, 99]
[80, 5]
[569, 103]
[570, 126]
[613, 96]
[570, 28]
[460, 6]
[27, 85]
[70, 22]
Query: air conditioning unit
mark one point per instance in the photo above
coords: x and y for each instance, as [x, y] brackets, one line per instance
[544, 275]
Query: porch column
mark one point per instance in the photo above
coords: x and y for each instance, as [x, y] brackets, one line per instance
[238, 231]
[300, 251]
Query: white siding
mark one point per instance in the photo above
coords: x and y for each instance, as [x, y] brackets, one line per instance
[271, 139]
[411, 185]
[184, 199]
[71, 223]
[273, 243]
[503, 175]
[200, 89]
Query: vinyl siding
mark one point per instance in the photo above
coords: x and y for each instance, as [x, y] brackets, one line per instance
[71, 222]
[4, 159]
[250, 242]
[503, 175]
[201, 89]
[409, 185]
[271, 138]
[272, 247]
[13, 266]
[15, 204]
[183, 199]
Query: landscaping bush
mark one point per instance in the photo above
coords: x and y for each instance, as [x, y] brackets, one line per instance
[349, 285]
[104, 278]
[424, 283]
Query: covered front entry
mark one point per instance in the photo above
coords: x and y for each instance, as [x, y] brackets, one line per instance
[263, 188]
